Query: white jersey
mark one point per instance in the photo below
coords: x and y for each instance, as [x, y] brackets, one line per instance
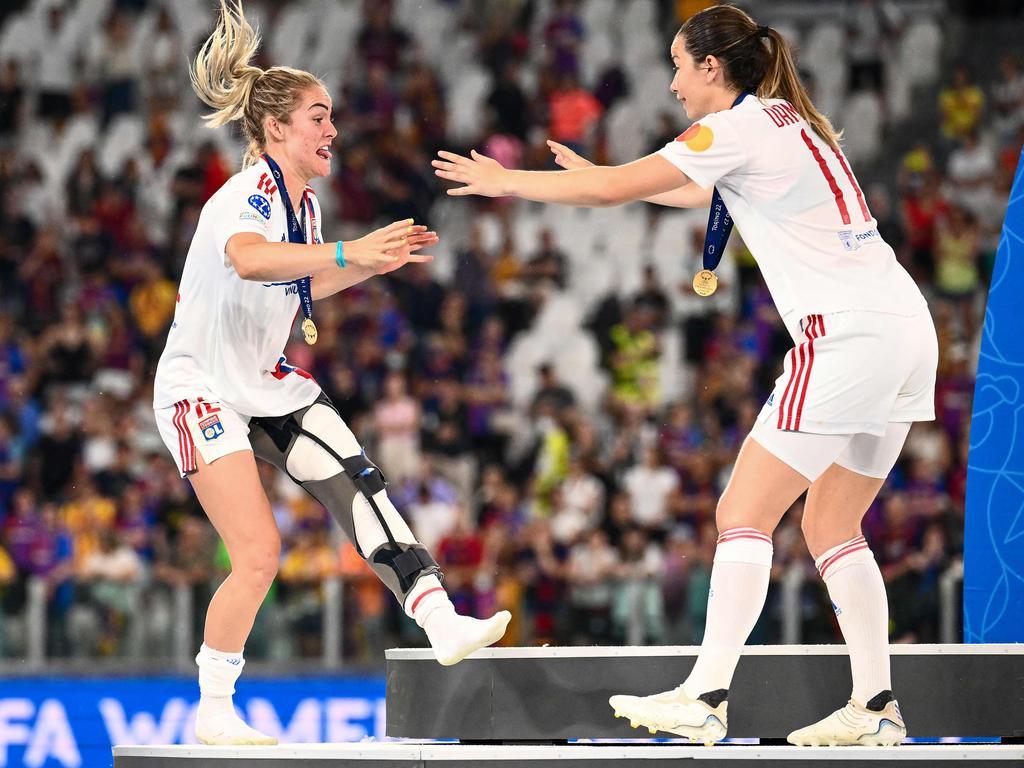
[227, 340]
[799, 209]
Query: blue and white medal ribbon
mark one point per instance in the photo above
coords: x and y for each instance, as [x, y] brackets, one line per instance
[720, 225]
[296, 235]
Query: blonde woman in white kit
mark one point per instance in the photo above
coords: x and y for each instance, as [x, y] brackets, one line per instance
[225, 395]
[862, 368]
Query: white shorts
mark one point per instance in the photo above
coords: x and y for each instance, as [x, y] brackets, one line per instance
[853, 372]
[849, 390]
[811, 454]
[209, 427]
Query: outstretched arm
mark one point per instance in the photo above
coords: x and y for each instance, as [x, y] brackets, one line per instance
[330, 281]
[592, 186]
[255, 258]
[689, 195]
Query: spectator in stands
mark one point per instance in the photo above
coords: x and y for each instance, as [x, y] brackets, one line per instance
[573, 111]
[396, 425]
[593, 564]
[961, 103]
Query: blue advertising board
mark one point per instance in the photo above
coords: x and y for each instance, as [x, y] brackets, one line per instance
[73, 723]
[994, 524]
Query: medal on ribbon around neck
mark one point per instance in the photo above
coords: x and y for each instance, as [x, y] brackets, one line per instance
[296, 234]
[720, 225]
[309, 331]
[705, 282]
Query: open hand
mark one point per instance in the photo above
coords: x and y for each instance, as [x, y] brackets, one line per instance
[480, 174]
[388, 245]
[566, 158]
[407, 252]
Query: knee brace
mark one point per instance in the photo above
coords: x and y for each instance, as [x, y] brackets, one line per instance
[353, 489]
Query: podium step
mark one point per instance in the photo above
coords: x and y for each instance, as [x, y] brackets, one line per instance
[510, 695]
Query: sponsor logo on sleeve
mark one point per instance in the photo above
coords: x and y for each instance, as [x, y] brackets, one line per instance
[697, 137]
[261, 204]
[248, 216]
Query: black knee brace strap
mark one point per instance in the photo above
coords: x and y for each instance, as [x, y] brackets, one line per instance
[408, 561]
[365, 475]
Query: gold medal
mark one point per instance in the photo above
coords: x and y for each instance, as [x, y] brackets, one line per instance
[705, 282]
[309, 330]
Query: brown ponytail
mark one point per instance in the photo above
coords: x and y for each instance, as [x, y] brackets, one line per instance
[754, 59]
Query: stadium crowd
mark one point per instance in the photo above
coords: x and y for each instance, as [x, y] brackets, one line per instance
[590, 517]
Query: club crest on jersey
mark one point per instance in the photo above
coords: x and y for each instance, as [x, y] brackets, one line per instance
[261, 204]
[697, 137]
[211, 427]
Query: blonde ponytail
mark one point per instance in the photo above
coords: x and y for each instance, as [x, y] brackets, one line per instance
[225, 81]
[222, 76]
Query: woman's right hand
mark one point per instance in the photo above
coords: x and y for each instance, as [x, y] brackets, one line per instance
[566, 158]
[383, 247]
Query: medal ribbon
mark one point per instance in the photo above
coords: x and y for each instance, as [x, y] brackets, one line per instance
[719, 221]
[295, 234]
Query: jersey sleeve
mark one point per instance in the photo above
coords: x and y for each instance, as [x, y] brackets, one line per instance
[246, 208]
[706, 151]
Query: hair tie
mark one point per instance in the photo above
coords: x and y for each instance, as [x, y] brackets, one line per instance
[764, 31]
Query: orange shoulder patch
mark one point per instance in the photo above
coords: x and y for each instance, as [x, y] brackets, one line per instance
[697, 137]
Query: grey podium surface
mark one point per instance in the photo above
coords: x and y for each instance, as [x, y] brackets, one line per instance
[511, 695]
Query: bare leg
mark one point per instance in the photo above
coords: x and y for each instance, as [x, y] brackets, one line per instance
[233, 498]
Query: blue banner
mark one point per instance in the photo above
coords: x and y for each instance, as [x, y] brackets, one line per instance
[994, 525]
[72, 723]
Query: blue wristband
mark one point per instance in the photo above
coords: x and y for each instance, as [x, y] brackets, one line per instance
[339, 253]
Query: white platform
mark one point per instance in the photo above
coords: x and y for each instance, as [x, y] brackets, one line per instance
[430, 753]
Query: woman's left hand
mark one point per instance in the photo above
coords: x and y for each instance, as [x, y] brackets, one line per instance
[481, 175]
[407, 252]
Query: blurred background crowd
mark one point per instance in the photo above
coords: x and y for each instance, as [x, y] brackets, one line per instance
[556, 411]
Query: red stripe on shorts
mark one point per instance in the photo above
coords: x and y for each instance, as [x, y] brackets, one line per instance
[785, 394]
[188, 447]
[181, 437]
[812, 334]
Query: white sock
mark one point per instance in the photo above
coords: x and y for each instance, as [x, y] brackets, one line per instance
[858, 597]
[218, 672]
[739, 584]
[425, 597]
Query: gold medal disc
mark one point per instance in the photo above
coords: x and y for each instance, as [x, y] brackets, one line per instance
[309, 331]
[705, 282]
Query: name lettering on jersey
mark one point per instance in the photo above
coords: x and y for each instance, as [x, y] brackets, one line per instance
[783, 114]
[261, 204]
[697, 137]
[266, 185]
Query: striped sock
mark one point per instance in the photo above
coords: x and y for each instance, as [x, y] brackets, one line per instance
[858, 597]
[739, 584]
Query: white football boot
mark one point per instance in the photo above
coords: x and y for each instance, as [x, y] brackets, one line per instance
[854, 724]
[675, 712]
